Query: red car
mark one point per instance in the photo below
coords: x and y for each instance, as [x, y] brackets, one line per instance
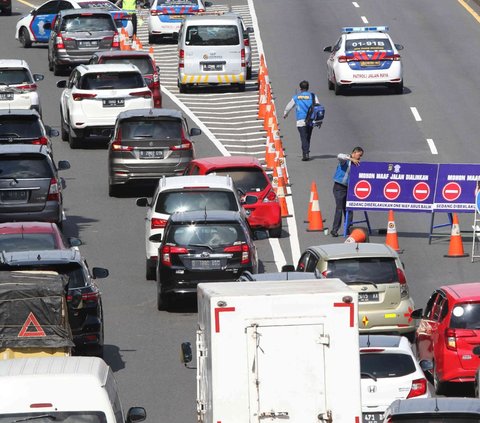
[258, 197]
[28, 236]
[142, 60]
[449, 329]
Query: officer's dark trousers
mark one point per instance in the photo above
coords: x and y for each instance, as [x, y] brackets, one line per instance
[134, 23]
[305, 136]
[340, 194]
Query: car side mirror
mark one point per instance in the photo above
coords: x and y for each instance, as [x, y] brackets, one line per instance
[142, 202]
[52, 132]
[74, 242]
[155, 238]
[100, 272]
[62, 84]
[476, 350]
[186, 352]
[63, 183]
[136, 414]
[63, 165]
[328, 49]
[399, 46]
[288, 268]
[249, 30]
[426, 365]
[38, 77]
[195, 131]
[249, 199]
[260, 234]
[47, 26]
[416, 314]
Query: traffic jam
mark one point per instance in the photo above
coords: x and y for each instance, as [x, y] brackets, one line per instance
[150, 142]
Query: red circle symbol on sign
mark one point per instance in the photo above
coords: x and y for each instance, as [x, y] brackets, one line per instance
[391, 190]
[451, 191]
[421, 191]
[362, 189]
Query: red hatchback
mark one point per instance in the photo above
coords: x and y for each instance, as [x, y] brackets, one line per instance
[449, 329]
[259, 199]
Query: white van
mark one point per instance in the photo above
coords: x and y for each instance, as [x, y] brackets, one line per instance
[212, 50]
[64, 389]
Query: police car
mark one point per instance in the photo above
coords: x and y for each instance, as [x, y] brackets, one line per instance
[166, 16]
[30, 28]
[364, 56]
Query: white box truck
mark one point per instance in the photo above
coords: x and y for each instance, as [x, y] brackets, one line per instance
[278, 352]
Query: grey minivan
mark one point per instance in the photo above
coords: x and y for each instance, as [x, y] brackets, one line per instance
[148, 144]
[30, 188]
[77, 34]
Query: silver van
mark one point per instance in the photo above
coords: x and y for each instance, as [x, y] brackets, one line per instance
[212, 50]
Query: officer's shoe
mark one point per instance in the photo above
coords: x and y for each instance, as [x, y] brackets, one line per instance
[305, 158]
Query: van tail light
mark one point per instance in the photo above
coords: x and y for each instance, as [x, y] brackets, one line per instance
[184, 144]
[117, 143]
[168, 250]
[246, 42]
[181, 58]
[157, 223]
[144, 94]
[403, 283]
[271, 196]
[242, 55]
[59, 44]
[41, 141]
[82, 96]
[419, 387]
[53, 191]
[41, 405]
[244, 249]
[27, 87]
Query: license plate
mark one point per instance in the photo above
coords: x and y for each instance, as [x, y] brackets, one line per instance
[113, 102]
[368, 63]
[176, 16]
[88, 43]
[212, 67]
[205, 264]
[20, 195]
[6, 96]
[365, 297]
[372, 417]
[151, 154]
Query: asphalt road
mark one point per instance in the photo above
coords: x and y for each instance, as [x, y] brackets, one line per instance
[441, 80]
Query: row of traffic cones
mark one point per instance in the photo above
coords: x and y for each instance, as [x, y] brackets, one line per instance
[133, 44]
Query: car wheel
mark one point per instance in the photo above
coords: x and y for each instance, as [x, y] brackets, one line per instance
[7, 12]
[241, 88]
[24, 38]
[249, 72]
[476, 387]
[162, 303]
[398, 88]
[411, 337]
[50, 65]
[331, 85]
[63, 131]
[275, 232]
[150, 271]
[182, 88]
[152, 39]
[337, 88]
[113, 190]
[57, 70]
[73, 141]
[437, 384]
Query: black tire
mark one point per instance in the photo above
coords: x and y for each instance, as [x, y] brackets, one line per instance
[398, 88]
[57, 70]
[7, 12]
[275, 232]
[63, 132]
[249, 72]
[182, 88]
[73, 141]
[241, 88]
[162, 303]
[338, 89]
[152, 39]
[331, 85]
[50, 65]
[150, 271]
[24, 38]
[411, 337]
[439, 387]
[113, 191]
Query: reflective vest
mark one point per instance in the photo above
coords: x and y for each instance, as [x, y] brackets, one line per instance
[303, 101]
[129, 5]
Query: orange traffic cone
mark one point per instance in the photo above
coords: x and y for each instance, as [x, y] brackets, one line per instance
[358, 235]
[315, 219]
[283, 202]
[270, 154]
[456, 245]
[392, 237]
[262, 106]
[151, 53]
[313, 188]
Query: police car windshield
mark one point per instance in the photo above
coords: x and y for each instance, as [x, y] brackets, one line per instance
[212, 35]
[368, 44]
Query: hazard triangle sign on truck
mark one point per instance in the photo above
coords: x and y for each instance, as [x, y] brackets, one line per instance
[31, 320]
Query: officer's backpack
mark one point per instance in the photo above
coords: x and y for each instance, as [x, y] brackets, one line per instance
[315, 114]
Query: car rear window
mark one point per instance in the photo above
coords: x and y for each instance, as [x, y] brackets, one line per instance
[87, 23]
[368, 44]
[24, 166]
[75, 272]
[465, 316]
[18, 76]
[106, 5]
[212, 35]
[57, 416]
[213, 234]
[112, 81]
[144, 64]
[246, 179]
[173, 201]
[20, 127]
[373, 269]
[436, 418]
[156, 129]
[385, 365]
[27, 242]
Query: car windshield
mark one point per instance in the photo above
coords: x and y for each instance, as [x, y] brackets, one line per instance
[87, 23]
[465, 316]
[112, 81]
[368, 44]
[211, 233]
[18, 76]
[27, 242]
[155, 129]
[370, 269]
[24, 166]
[212, 35]
[144, 64]
[246, 179]
[20, 127]
[173, 201]
[50, 416]
[105, 5]
[385, 365]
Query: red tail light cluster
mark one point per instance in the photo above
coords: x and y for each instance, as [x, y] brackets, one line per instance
[53, 191]
[41, 141]
[83, 96]
[184, 144]
[181, 58]
[27, 87]
[144, 94]
[116, 41]
[117, 143]
[168, 250]
[451, 336]
[271, 196]
[244, 249]
[403, 283]
[242, 56]
[154, 12]
[157, 223]
[86, 296]
[59, 42]
[419, 387]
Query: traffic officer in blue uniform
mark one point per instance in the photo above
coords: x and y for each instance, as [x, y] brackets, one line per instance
[302, 101]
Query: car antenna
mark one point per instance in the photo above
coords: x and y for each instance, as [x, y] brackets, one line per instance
[368, 340]
[205, 215]
[357, 247]
[436, 405]
[39, 257]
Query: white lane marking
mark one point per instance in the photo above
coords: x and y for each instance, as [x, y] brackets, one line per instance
[415, 113]
[214, 95]
[235, 134]
[197, 121]
[355, 4]
[258, 127]
[232, 123]
[214, 107]
[237, 140]
[432, 146]
[252, 154]
[247, 146]
[364, 19]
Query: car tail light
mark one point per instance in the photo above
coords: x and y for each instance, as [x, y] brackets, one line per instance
[271, 196]
[154, 12]
[372, 350]
[157, 223]
[394, 58]
[244, 249]
[167, 250]
[27, 87]
[184, 145]
[403, 283]
[144, 94]
[59, 42]
[82, 96]
[53, 191]
[419, 387]
[86, 296]
[242, 56]
[41, 405]
[342, 59]
[450, 339]
[116, 41]
[181, 58]
[201, 11]
[41, 141]
[246, 42]
[117, 143]
[156, 80]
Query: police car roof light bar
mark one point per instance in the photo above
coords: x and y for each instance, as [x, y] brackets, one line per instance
[349, 29]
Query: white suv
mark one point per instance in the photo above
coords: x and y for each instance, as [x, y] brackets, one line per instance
[183, 193]
[18, 88]
[93, 97]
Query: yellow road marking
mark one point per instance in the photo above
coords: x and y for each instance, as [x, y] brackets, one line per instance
[467, 7]
[27, 3]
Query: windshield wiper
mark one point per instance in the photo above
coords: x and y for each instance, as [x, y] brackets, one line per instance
[9, 135]
[105, 87]
[369, 375]
[363, 282]
[40, 416]
[201, 245]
